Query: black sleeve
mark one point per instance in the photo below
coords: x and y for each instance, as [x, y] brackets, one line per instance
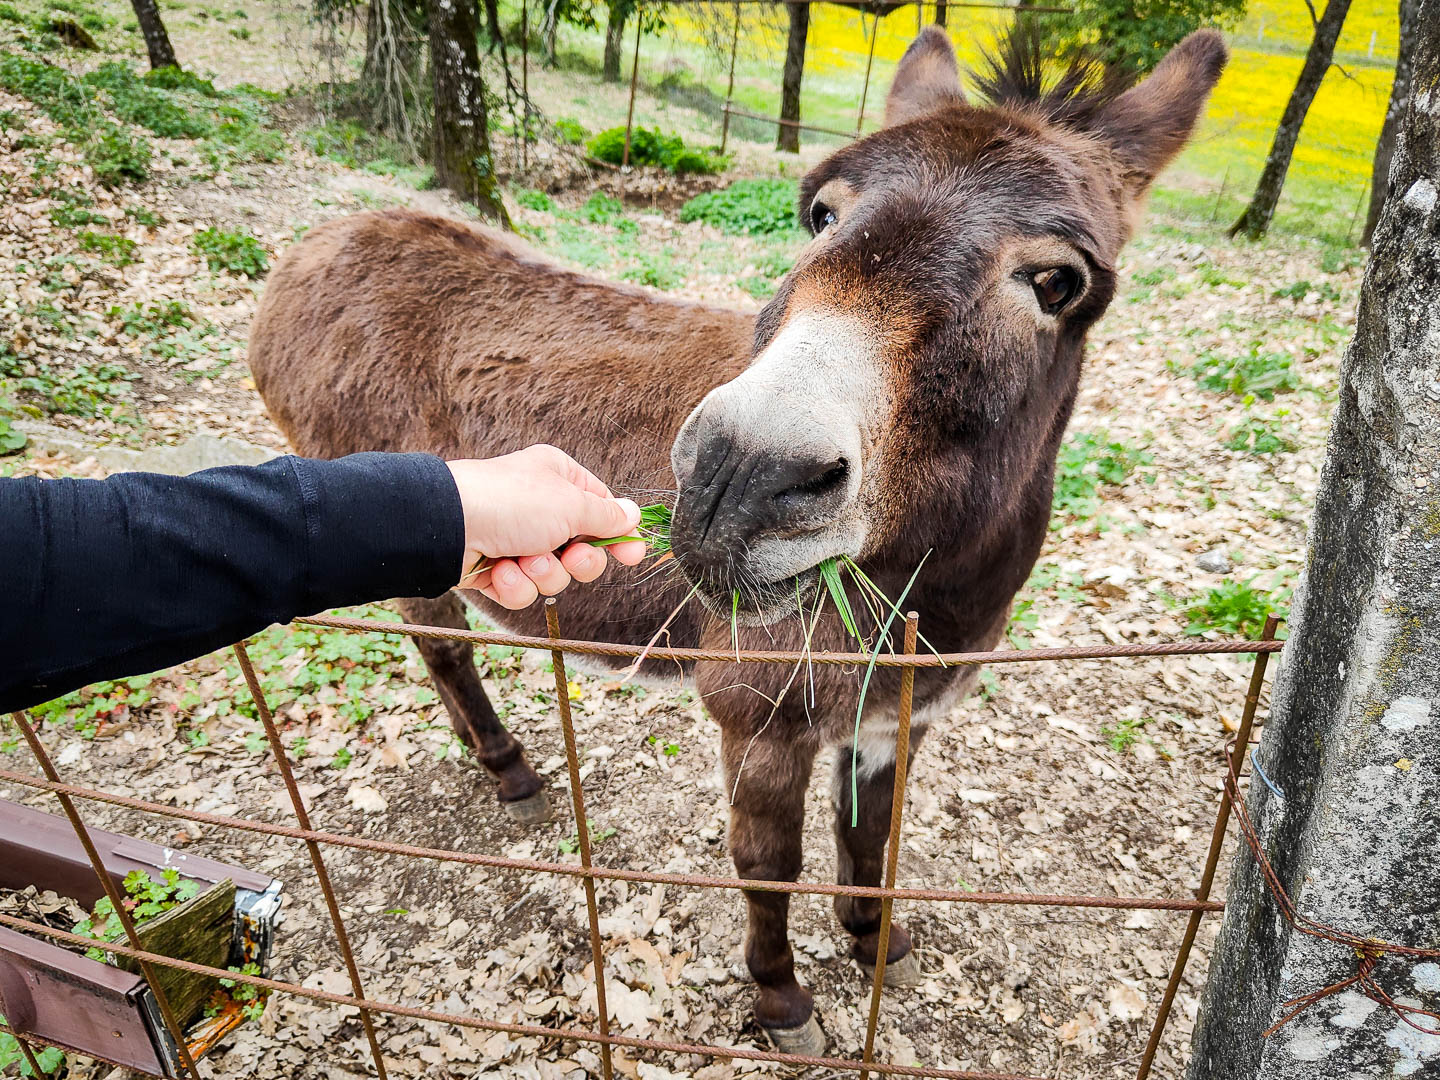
[104, 578]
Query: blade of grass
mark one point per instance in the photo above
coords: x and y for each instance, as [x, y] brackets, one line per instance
[830, 574]
[735, 622]
[864, 689]
[635, 667]
[862, 579]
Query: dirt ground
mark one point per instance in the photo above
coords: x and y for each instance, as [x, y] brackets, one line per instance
[1088, 777]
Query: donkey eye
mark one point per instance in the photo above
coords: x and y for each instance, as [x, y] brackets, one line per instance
[821, 218]
[1054, 288]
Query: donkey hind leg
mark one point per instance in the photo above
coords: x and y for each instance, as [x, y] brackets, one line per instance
[452, 667]
[767, 816]
[860, 856]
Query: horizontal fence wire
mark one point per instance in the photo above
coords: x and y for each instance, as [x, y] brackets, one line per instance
[589, 873]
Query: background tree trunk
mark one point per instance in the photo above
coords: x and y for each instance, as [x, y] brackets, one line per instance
[1399, 101]
[789, 137]
[492, 26]
[1351, 737]
[461, 134]
[615, 39]
[939, 12]
[157, 41]
[1256, 219]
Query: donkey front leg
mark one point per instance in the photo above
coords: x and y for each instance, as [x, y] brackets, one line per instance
[452, 667]
[767, 781]
[860, 855]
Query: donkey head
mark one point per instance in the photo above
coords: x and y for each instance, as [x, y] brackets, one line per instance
[914, 372]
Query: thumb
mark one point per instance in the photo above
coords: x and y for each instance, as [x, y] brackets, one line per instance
[604, 518]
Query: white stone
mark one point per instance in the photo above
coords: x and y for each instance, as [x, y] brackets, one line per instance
[1406, 714]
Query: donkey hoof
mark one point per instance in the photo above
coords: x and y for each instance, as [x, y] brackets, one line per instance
[531, 810]
[903, 972]
[807, 1040]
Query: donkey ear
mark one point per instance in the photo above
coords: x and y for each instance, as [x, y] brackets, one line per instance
[926, 79]
[1149, 123]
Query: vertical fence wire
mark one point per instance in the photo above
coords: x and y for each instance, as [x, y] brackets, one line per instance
[28, 1054]
[582, 826]
[117, 901]
[730, 85]
[1212, 860]
[869, 63]
[272, 733]
[892, 850]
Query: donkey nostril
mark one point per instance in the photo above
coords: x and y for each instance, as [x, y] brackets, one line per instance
[824, 482]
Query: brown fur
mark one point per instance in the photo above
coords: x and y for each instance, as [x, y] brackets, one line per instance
[401, 331]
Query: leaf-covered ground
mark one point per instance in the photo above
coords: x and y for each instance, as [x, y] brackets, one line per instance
[1199, 431]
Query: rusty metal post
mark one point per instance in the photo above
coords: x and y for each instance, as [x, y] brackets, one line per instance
[272, 733]
[1212, 860]
[582, 826]
[630, 112]
[111, 890]
[869, 63]
[730, 86]
[28, 1054]
[892, 851]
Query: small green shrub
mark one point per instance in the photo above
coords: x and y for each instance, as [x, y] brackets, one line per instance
[65, 100]
[1253, 373]
[1256, 436]
[1299, 290]
[746, 208]
[1086, 463]
[138, 103]
[1123, 734]
[536, 200]
[9, 13]
[569, 132]
[113, 248]
[657, 271]
[603, 209]
[1233, 607]
[50, 1060]
[240, 33]
[71, 209]
[650, 146]
[116, 158]
[174, 78]
[237, 251]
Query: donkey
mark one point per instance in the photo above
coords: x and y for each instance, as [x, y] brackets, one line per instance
[902, 395]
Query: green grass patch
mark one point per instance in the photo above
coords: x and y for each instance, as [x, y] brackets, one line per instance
[1255, 435]
[235, 250]
[1087, 463]
[747, 208]
[113, 248]
[1236, 608]
[1253, 373]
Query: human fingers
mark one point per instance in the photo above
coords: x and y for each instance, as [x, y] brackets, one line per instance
[571, 470]
[629, 553]
[602, 517]
[546, 571]
[583, 561]
[510, 587]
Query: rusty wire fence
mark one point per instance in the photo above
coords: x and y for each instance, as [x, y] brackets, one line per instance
[589, 872]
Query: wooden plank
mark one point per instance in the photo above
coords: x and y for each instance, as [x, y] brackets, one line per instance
[199, 931]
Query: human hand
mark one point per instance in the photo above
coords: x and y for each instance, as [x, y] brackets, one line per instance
[521, 513]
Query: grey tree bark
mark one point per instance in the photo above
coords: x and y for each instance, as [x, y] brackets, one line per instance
[1351, 742]
[620, 11]
[789, 135]
[152, 28]
[461, 136]
[1394, 112]
[1255, 221]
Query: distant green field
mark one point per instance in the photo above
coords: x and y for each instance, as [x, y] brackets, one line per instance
[1211, 181]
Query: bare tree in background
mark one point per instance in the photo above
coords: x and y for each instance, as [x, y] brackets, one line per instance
[391, 80]
[461, 137]
[789, 135]
[1394, 114]
[492, 26]
[152, 27]
[939, 12]
[1255, 221]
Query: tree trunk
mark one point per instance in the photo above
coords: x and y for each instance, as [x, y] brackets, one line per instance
[789, 135]
[1399, 100]
[157, 41]
[492, 26]
[461, 152]
[549, 28]
[939, 12]
[391, 76]
[1350, 825]
[1256, 219]
[615, 39]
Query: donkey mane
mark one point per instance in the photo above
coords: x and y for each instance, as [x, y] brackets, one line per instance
[1018, 72]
